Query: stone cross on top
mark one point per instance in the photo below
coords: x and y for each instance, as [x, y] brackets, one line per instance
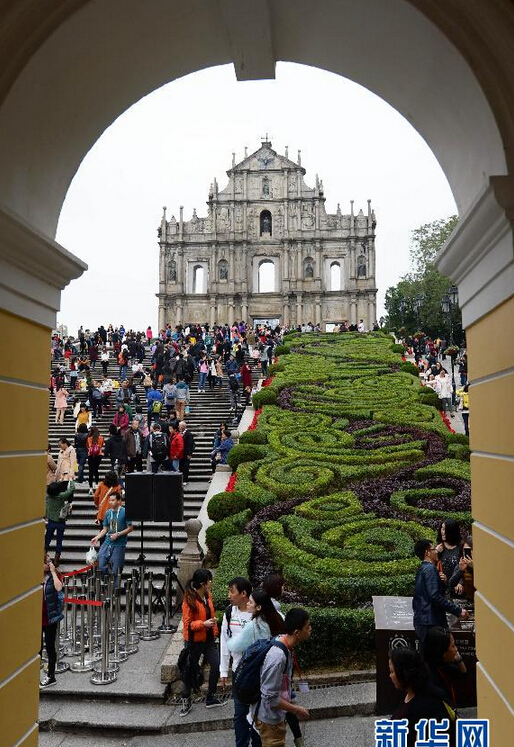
[265, 140]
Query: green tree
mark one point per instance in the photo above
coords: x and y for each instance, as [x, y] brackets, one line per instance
[424, 281]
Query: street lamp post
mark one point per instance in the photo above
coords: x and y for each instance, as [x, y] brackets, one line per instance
[448, 303]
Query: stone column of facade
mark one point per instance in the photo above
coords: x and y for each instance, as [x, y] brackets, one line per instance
[231, 273]
[212, 311]
[318, 260]
[353, 310]
[318, 310]
[299, 299]
[181, 271]
[244, 308]
[162, 314]
[285, 312]
[231, 310]
[299, 268]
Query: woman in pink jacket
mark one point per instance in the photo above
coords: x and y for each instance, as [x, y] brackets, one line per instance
[61, 403]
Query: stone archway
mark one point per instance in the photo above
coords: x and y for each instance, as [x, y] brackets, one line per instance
[449, 73]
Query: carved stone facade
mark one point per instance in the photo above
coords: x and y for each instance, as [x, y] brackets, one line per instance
[267, 250]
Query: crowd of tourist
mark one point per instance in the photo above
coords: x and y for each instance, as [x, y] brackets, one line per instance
[146, 432]
[153, 434]
[432, 358]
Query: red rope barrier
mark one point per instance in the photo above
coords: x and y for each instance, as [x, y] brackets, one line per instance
[80, 570]
[90, 602]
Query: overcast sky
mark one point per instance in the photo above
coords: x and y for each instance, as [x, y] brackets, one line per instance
[166, 149]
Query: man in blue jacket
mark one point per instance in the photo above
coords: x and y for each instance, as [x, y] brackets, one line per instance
[429, 603]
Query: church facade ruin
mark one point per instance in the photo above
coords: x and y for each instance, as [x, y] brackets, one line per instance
[267, 251]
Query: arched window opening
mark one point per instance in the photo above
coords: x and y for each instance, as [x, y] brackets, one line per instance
[265, 222]
[266, 276]
[223, 269]
[198, 279]
[335, 276]
[308, 268]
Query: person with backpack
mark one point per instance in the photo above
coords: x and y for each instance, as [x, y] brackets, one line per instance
[96, 398]
[169, 392]
[59, 498]
[154, 401]
[235, 619]
[264, 678]
[157, 447]
[52, 615]
[200, 632]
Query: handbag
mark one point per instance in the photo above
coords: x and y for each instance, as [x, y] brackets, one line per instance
[65, 510]
[190, 670]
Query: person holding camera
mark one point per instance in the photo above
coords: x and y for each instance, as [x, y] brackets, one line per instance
[429, 603]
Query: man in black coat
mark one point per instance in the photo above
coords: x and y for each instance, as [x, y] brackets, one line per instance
[429, 602]
[189, 447]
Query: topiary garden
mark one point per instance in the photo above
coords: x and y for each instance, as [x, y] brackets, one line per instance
[349, 463]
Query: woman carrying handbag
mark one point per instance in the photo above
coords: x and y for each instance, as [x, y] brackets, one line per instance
[199, 622]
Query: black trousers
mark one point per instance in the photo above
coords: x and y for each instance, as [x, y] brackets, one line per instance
[184, 468]
[94, 469]
[135, 463]
[212, 657]
[48, 635]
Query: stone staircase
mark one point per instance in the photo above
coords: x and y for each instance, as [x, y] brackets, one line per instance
[207, 411]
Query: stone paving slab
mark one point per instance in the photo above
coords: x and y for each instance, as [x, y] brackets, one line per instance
[139, 676]
[91, 715]
[82, 714]
[345, 700]
[354, 731]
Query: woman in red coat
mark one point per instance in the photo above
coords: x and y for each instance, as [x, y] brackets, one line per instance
[246, 375]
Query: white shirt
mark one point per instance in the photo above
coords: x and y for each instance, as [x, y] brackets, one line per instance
[238, 620]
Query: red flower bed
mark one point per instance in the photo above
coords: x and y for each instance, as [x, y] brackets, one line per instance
[253, 424]
[446, 421]
[267, 382]
[231, 483]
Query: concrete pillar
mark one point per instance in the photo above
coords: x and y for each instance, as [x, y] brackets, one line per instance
[190, 559]
[212, 311]
[231, 311]
[231, 271]
[244, 308]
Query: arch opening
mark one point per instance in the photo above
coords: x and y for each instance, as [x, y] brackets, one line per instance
[335, 276]
[266, 276]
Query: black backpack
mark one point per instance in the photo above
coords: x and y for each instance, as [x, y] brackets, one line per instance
[247, 677]
[159, 447]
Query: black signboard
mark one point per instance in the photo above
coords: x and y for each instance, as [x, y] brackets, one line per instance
[393, 628]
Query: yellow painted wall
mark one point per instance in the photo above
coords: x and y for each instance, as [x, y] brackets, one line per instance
[23, 391]
[491, 358]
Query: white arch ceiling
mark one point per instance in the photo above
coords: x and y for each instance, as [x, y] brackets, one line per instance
[110, 53]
